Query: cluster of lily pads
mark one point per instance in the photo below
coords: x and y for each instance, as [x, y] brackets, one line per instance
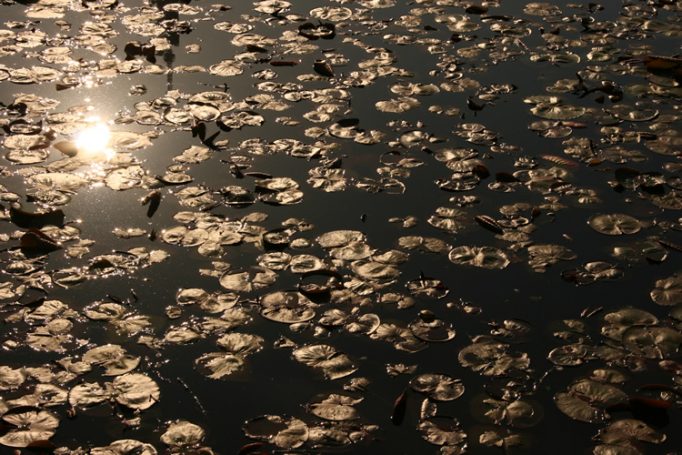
[246, 134]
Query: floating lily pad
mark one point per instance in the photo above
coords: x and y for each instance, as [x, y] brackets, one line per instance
[483, 257]
[182, 434]
[30, 427]
[335, 408]
[615, 224]
[668, 291]
[287, 433]
[334, 364]
[136, 391]
[438, 387]
[558, 111]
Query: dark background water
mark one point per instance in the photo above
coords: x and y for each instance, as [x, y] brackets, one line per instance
[271, 382]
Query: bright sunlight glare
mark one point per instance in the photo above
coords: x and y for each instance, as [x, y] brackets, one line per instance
[93, 141]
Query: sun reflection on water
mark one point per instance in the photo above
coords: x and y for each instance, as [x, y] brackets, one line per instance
[94, 142]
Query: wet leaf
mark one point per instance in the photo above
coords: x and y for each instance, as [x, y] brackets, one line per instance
[334, 364]
[668, 291]
[579, 409]
[30, 427]
[282, 432]
[629, 430]
[442, 431]
[438, 387]
[491, 358]
[615, 224]
[335, 408]
[136, 391]
[182, 433]
[483, 257]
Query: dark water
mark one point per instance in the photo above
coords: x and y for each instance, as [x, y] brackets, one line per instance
[605, 211]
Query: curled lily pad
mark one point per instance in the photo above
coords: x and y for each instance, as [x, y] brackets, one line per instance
[505, 439]
[652, 342]
[287, 433]
[241, 344]
[597, 393]
[592, 272]
[335, 408]
[630, 430]
[182, 433]
[668, 291]
[50, 395]
[557, 111]
[181, 335]
[353, 251]
[104, 311]
[113, 358]
[542, 256]
[318, 283]
[11, 378]
[30, 427]
[484, 257]
[630, 316]
[226, 68]
[569, 355]
[334, 364]
[124, 447]
[430, 244]
[442, 431]
[88, 394]
[191, 296]
[287, 307]
[237, 282]
[217, 365]
[365, 323]
[491, 358]
[579, 409]
[305, 263]
[401, 338]
[631, 114]
[620, 321]
[521, 413]
[432, 330]
[371, 270]
[650, 250]
[429, 287]
[438, 387]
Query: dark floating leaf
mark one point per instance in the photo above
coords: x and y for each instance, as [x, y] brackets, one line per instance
[438, 387]
[37, 220]
[36, 242]
[152, 198]
[489, 223]
[399, 408]
[284, 62]
[286, 433]
[68, 148]
[323, 30]
[324, 68]
[664, 66]
[251, 448]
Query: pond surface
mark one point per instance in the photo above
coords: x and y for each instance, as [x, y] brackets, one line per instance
[371, 226]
